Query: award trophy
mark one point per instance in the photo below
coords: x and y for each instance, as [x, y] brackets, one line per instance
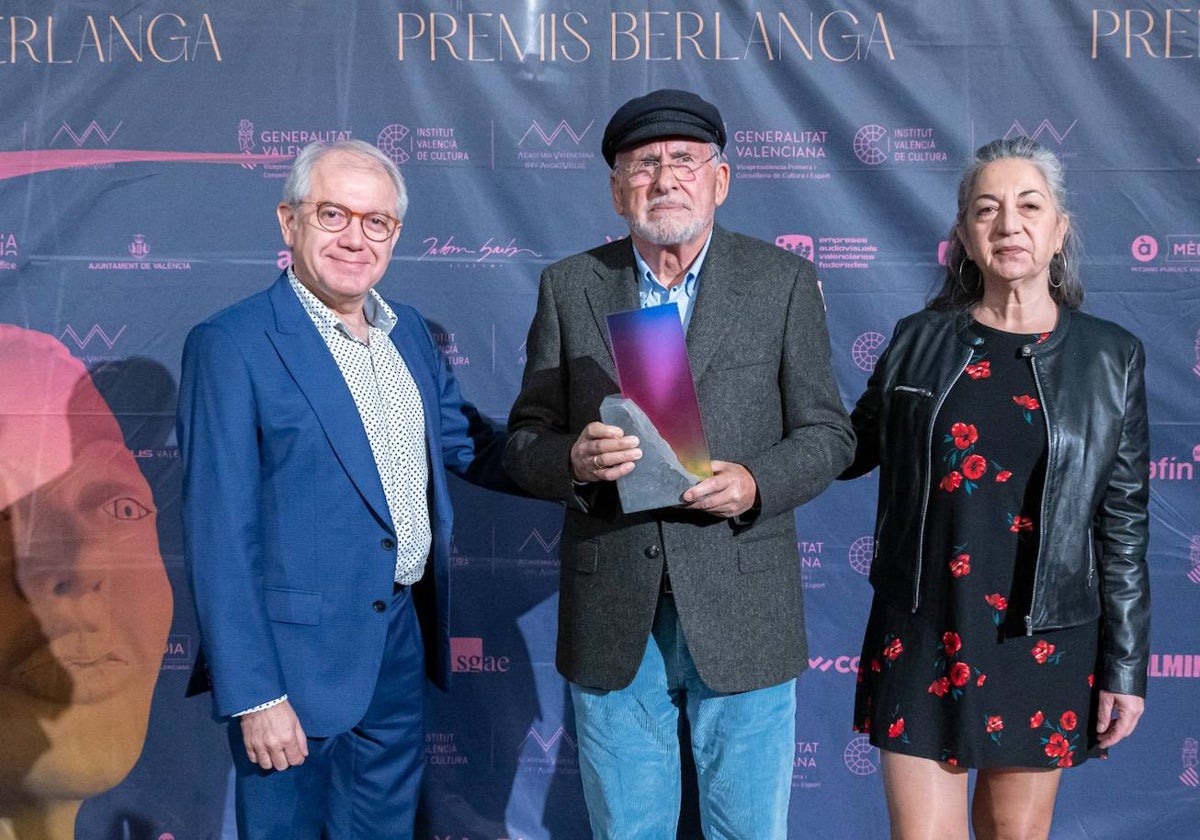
[658, 404]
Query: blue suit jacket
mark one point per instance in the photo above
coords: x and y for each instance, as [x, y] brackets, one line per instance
[287, 533]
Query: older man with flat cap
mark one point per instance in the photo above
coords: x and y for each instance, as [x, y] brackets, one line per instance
[694, 608]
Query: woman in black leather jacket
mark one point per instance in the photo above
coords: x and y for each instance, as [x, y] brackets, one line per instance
[1010, 627]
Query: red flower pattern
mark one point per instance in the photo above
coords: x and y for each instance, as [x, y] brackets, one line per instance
[980, 370]
[960, 566]
[939, 686]
[995, 723]
[960, 672]
[980, 680]
[894, 649]
[1068, 720]
[1027, 402]
[896, 729]
[1042, 651]
[1003, 476]
[951, 642]
[964, 434]
[997, 601]
[951, 482]
[1021, 523]
[1036, 719]
[974, 466]
[1057, 747]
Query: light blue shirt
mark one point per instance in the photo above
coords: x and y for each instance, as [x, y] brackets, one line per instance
[653, 293]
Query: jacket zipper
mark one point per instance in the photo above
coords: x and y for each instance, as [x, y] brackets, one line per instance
[916, 600]
[1037, 560]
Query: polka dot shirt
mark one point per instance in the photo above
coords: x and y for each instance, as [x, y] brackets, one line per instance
[392, 416]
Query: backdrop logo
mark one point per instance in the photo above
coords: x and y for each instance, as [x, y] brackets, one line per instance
[845, 252]
[393, 142]
[139, 249]
[797, 243]
[448, 341]
[865, 350]
[1196, 367]
[1171, 468]
[1194, 557]
[557, 148]
[1189, 755]
[467, 657]
[1179, 665]
[844, 664]
[779, 154]
[804, 765]
[875, 144]
[1183, 247]
[943, 249]
[871, 144]
[1041, 129]
[861, 758]
[442, 748]
[177, 656]
[486, 254]
[457, 558]
[8, 248]
[810, 560]
[861, 552]
[96, 331]
[92, 129]
[246, 140]
[1144, 248]
[557, 753]
[548, 139]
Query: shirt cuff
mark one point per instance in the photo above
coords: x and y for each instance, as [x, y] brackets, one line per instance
[261, 706]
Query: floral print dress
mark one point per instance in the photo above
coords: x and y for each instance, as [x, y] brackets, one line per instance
[959, 681]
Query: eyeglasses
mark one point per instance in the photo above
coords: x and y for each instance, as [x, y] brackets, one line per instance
[641, 172]
[378, 227]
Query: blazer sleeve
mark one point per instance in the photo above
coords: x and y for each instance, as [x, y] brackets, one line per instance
[537, 454]
[218, 438]
[817, 441]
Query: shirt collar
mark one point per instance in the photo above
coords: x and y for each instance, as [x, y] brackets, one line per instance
[375, 308]
[646, 274]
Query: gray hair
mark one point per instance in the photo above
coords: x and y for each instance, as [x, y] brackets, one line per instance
[299, 179]
[962, 287]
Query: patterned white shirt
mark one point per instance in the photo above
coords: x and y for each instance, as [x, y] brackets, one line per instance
[392, 416]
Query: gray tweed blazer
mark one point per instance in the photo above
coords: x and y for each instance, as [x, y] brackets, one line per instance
[759, 353]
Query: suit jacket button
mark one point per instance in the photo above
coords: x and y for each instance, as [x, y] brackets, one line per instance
[388, 543]
[379, 606]
[651, 551]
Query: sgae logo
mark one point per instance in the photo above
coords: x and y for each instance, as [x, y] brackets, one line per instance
[467, 656]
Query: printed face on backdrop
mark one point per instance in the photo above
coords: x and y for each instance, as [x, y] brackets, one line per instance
[340, 268]
[666, 209]
[85, 605]
[1012, 228]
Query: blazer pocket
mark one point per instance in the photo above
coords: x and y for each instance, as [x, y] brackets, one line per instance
[582, 557]
[766, 553]
[293, 606]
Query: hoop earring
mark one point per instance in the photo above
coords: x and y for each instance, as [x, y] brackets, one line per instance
[1050, 280]
[959, 276]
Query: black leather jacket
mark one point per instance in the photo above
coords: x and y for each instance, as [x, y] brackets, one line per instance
[1091, 556]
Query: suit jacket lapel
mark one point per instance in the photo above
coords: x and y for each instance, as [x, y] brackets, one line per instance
[310, 364]
[613, 289]
[716, 298]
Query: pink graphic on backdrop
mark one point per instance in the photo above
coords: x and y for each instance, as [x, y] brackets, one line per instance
[31, 162]
[653, 369]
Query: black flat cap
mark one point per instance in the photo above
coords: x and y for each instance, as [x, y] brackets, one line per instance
[662, 113]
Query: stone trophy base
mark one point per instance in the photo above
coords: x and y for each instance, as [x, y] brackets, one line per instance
[659, 479]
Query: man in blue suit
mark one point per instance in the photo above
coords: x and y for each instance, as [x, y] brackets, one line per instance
[316, 422]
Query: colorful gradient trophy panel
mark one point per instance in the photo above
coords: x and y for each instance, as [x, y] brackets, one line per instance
[658, 404]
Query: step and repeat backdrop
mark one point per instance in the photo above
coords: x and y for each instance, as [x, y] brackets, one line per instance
[142, 151]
